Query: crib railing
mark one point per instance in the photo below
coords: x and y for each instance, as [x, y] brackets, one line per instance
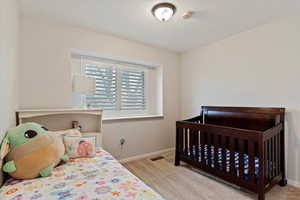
[248, 158]
[272, 143]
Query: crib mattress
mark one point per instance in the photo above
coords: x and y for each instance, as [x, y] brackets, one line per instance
[245, 160]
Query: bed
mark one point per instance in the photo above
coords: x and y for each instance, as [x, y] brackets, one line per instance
[101, 177]
[241, 145]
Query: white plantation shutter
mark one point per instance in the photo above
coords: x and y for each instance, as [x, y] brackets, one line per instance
[118, 86]
[123, 88]
[106, 86]
[132, 90]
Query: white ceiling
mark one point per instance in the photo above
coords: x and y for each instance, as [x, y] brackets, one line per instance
[132, 19]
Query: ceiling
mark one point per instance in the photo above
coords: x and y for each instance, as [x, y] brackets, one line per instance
[132, 19]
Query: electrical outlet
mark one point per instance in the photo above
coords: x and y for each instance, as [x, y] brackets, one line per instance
[122, 141]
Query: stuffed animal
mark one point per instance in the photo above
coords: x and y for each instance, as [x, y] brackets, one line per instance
[32, 151]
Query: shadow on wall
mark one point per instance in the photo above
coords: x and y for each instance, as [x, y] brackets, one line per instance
[292, 145]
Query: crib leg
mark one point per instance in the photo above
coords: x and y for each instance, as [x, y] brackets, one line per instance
[177, 160]
[283, 182]
[261, 196]
[178, 146]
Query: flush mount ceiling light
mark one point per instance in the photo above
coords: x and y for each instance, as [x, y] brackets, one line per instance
[163, 11]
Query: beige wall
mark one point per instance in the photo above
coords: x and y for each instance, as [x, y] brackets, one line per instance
[9, 51]
[260, 67]
[9, 37]
[46, 80]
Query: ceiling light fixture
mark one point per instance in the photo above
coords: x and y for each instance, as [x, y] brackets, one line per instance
[163, 11]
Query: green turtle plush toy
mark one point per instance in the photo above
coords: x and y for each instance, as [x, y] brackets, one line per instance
[32, 151]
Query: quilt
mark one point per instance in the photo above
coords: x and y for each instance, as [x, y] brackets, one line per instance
[98, 178]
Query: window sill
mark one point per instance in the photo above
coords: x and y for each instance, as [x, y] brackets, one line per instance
[133, 118]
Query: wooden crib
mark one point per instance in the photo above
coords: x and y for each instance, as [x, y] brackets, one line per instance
[241, 145]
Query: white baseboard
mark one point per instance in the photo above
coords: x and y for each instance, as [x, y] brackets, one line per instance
[142, 156]
[293, 183]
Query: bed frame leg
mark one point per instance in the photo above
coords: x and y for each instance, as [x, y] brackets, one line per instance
[261, 196]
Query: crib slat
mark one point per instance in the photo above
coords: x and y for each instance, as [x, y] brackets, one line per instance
[251, 162]
[209, 149]
[267, 163]
[274, 156]
[196, 132]
[216, 156]
[223, 140]
[232, 150]
[279, 152]
[202, 142]
[271, 157]
[241, 159]
[265, 155]
[275, 150]
[193, 136]
[191, 144]
[180, 140]
[277, 155]
[185, 141]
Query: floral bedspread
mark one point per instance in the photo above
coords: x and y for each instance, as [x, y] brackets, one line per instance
[98, 178]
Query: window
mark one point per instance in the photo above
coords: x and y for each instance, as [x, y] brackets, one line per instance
[117, 87]
[122, 88]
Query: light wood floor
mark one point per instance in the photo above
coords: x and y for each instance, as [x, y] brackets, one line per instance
[183, 183]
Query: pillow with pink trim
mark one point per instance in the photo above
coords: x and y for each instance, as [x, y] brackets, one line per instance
[80, 146]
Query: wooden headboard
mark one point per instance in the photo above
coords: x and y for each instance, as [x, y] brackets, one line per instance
[255, 118]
